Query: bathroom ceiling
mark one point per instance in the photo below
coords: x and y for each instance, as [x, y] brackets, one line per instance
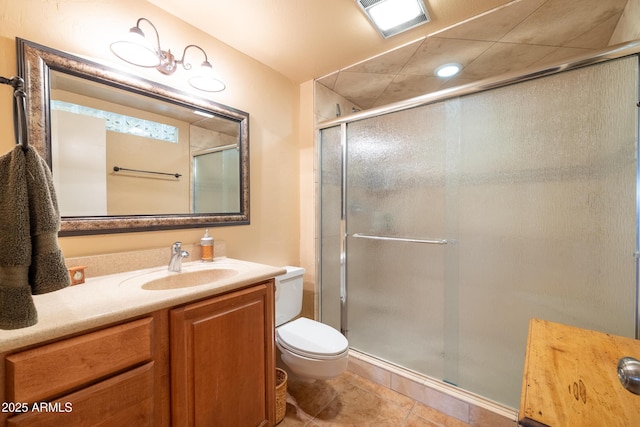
[305, 39]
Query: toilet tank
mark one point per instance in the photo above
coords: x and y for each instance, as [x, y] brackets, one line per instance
[289, 294]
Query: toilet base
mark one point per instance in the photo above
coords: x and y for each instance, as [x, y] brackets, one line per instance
[291, 375]
[308, 370]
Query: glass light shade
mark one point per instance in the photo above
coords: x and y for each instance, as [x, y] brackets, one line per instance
[136, 50]
[391, 13]
[206, 79]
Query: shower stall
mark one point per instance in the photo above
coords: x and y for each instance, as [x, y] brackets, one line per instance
[216, 186]
[448, 222]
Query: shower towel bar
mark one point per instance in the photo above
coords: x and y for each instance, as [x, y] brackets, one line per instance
[118, 168]
[402, 239]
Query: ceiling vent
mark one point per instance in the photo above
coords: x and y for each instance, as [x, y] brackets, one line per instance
[391, 17]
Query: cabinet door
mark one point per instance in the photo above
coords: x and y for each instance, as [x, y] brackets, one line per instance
[223, 360]
[571, 378]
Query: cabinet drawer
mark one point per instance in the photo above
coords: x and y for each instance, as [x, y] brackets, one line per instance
[126, 399]
[51, 370]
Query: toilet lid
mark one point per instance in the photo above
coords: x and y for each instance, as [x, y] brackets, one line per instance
[310, 338]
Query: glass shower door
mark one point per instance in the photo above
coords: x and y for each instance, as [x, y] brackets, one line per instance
[396, 219]
[467, 217]
[547, 216]
[216, 187]
[331, 227]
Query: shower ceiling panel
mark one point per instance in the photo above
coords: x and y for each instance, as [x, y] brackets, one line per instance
[523, 34]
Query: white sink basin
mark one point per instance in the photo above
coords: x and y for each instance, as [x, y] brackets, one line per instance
[195, 275]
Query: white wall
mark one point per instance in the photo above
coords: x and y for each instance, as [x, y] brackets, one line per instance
[80, 175]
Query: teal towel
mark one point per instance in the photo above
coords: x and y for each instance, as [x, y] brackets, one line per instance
[31, 261]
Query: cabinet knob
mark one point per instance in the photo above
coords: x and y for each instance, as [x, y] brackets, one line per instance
[629, 374]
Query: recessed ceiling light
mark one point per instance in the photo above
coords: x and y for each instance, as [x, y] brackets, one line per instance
[391, 17]
[447, 70]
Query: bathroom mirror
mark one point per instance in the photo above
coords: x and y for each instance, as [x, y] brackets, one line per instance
[128, 154]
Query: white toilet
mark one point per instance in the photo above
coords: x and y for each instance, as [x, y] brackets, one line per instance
[308, 349]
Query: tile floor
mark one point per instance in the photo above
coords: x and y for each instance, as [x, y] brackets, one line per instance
[350, 400]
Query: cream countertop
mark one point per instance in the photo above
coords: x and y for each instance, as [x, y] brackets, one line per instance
[112, 298]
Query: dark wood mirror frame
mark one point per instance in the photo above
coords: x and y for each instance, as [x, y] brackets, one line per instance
[34, 64]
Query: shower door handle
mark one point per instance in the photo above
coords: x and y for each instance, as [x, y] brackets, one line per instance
[401, 239]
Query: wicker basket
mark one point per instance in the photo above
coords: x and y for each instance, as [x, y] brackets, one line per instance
[281, 394]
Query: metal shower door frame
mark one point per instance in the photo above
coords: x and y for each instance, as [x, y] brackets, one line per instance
[607, 54]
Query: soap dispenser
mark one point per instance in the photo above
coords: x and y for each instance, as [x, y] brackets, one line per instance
[207, 247]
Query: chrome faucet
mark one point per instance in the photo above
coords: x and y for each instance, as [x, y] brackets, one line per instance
[177, 254]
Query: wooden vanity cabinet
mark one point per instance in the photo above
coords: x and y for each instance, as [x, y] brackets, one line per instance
[223, 360]
[112, 376]
[208, 363]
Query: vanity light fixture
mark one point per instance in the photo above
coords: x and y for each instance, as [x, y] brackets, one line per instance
[136, 49]
[447, 70]
[391, 17]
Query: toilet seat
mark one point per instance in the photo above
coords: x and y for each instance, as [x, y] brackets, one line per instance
[315, 340]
